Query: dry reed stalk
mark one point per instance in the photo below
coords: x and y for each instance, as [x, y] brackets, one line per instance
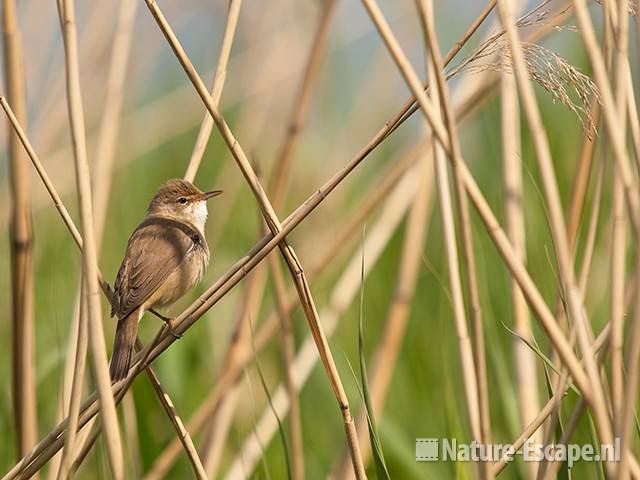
[50, 117]
[378, 379]
[345, 290]
[89, 256]
[387, 181]
[301, 105]
[527, 286]
[465, 349]
[588, 249]
[184, 439]
[579, 189]
[275, 226]
[77, 371]
[557, 223]
[618, 231]
[592, 230]
[386, 354]
[288, 355]
[88, 442]
[216, 89]
[469, 274]
[614, 132]
[412, 80]
[132, 441]
[239, 346]
[121, 389]
[547, 409]
[623, 79]
[524, 360]
[578, 196]
[493, 227]
[627, 419]
[277, 192]
[51, 443]
[623, 410]
[634, 122]
[580, 183]
[181, 432]
[64, 400]
[218, 428]
[111, 115]
[55, 198]
[569, 428]
[21, 238]
[615, 46]
[105, 154]
[616, 309]
[278, 188]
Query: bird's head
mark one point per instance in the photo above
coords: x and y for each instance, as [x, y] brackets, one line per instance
[182, 200]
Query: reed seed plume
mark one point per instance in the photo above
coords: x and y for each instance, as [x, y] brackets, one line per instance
[564, 82]
[632, 6]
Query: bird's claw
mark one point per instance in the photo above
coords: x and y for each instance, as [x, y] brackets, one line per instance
[169, 323]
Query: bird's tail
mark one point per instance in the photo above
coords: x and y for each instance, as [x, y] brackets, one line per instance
[123, 345]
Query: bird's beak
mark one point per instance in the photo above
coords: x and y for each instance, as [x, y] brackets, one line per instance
[212, 193]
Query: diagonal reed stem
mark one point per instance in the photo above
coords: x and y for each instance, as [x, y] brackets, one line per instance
[274, 225]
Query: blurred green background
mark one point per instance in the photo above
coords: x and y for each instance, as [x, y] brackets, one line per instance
[357, 91]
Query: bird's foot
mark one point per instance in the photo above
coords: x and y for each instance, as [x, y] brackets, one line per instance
[169, 323]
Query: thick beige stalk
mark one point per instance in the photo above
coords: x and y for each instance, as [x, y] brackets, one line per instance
[618, 231]
[468, 265]
[469, 378]
[558, 226]
[21, 237]
[609, 111]
[523, 358]
[89, 257]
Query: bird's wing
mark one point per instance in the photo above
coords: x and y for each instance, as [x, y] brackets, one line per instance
[156, 248]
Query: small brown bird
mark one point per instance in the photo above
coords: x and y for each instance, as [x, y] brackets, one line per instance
[166, 256]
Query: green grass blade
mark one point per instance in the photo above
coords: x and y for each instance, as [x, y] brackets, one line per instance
[283, 436]
[376, 446]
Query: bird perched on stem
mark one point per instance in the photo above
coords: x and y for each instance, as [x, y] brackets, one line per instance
[166, 256]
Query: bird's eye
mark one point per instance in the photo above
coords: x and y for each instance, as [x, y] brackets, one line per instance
[182, 200]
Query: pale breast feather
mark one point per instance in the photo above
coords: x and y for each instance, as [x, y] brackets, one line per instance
[156, 248]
